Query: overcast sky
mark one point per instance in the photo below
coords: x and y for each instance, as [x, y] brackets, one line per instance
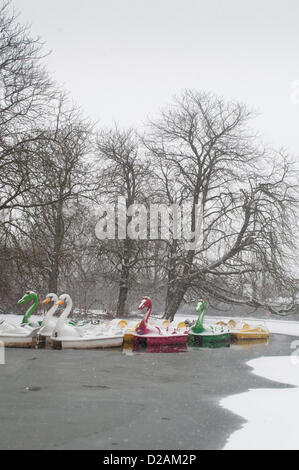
[124, 59]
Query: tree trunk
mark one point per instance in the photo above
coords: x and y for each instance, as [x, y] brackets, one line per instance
[53, 277]
[171, 275]
[58, 239]
[177, 288]
[124, 280]
[122, 299]
[175, 301]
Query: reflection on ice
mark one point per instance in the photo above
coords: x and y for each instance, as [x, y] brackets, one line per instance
[248, 344]
[130, 348]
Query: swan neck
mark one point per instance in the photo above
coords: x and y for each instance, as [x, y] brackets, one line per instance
[147, 314]
[49, 314]
[198, 327]
[30, 310]
[67, 310]
[65, 313]
[144, 321]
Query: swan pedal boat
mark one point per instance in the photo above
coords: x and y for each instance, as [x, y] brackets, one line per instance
[209, 339]
[66, 336]
[242, 331]
[145, 336]
[13, 336]
[100, 342]
[24, 335]
[213, 336]
[49, 322]
[131, 329]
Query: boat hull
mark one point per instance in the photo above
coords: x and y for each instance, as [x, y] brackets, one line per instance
[154, 348]
[207, 340]
[128, 338]
[246, 332]
[152, 340]
[18, 342]
[92, 343]
[248, 335]
[44, 341]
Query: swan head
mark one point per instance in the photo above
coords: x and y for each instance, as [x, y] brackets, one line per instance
[145, 303]
[50, 298]
[64, 298]
[29, 295]
[200, 304]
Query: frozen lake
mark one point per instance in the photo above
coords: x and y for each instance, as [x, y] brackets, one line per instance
[105, 399]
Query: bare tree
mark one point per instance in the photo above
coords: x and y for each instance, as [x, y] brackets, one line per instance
[123, 174]
[52, 213]
[207, 156]
[25, 99]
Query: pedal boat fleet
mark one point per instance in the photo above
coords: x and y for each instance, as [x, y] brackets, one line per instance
[62, 333]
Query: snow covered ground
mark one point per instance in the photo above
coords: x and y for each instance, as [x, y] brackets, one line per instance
[271, 415]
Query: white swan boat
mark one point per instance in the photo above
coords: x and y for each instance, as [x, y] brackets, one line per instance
[13, 336]
[48, 323]
[66, 336]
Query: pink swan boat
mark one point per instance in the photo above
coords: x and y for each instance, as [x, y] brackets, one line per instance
[149, 336]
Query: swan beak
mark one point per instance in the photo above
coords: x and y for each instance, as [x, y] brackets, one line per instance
[45, 301]
[60, 302]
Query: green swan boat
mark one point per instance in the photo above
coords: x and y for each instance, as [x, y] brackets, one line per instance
[27, 297]
[214, 336]
[24, 335]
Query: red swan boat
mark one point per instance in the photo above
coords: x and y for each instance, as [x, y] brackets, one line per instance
[149, 336]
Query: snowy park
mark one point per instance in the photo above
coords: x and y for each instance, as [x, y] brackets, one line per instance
[149, 280]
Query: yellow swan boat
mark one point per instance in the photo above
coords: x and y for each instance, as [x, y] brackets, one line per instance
[243, 331]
